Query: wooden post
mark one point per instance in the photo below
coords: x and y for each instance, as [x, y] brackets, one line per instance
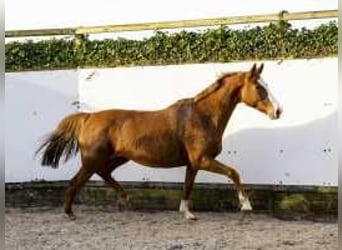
[80, 48]
[284, 15]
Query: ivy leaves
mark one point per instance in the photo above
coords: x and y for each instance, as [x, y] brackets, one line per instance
[274, 41]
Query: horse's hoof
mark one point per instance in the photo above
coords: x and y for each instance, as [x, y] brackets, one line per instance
[72, 216]
[124, 204]
[245, 213]
[245, 217]
[189, 216]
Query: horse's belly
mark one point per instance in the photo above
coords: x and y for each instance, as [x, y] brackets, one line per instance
[158, 157]
[155, 151]
[155, 163]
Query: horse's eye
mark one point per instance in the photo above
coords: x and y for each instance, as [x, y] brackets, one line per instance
[261, 91]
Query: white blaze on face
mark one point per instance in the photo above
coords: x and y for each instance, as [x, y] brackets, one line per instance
[273, 100]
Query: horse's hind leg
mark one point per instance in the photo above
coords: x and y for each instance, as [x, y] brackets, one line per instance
[105, 173]
[75, 185]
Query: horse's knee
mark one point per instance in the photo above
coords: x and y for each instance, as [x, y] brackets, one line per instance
[234, 175]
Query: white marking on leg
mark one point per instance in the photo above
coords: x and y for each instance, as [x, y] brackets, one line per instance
[244, 201]
[184, 208]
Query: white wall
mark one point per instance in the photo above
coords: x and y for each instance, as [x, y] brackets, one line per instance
[287, 151]
[34, 103]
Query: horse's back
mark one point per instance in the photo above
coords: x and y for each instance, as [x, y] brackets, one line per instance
[147, 137]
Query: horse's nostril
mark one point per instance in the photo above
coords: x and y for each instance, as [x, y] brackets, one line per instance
[278, 113]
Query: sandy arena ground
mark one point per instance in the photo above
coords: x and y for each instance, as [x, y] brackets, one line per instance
[105, 229]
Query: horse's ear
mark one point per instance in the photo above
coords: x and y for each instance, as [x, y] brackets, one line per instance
[260, 69]
[253, 69]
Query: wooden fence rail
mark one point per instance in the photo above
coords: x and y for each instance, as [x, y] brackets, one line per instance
[283, 15]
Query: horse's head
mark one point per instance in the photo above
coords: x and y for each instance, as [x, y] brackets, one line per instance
[255, 93]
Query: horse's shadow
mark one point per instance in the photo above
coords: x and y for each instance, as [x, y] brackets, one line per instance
[304, 154]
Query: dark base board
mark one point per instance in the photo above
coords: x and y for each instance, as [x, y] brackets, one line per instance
[286, 202]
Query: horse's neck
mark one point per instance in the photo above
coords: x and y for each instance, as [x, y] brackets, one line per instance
[220, 105]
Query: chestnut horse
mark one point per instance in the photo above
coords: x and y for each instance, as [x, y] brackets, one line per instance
[186, 133]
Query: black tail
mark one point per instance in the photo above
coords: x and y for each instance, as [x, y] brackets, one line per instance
[63, 141]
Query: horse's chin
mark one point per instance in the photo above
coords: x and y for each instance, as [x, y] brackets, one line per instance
[272, 116]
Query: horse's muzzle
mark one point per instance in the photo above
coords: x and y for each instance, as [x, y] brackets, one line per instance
[277, 114]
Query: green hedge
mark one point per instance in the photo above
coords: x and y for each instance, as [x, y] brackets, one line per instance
[274, 41]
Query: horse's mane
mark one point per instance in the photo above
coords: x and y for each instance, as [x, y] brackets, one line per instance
[213, 87]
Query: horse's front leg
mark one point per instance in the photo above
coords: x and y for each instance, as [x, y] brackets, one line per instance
[214, 166]
[188, 183]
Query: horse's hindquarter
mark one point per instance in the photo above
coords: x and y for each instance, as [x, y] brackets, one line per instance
[149, 138]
